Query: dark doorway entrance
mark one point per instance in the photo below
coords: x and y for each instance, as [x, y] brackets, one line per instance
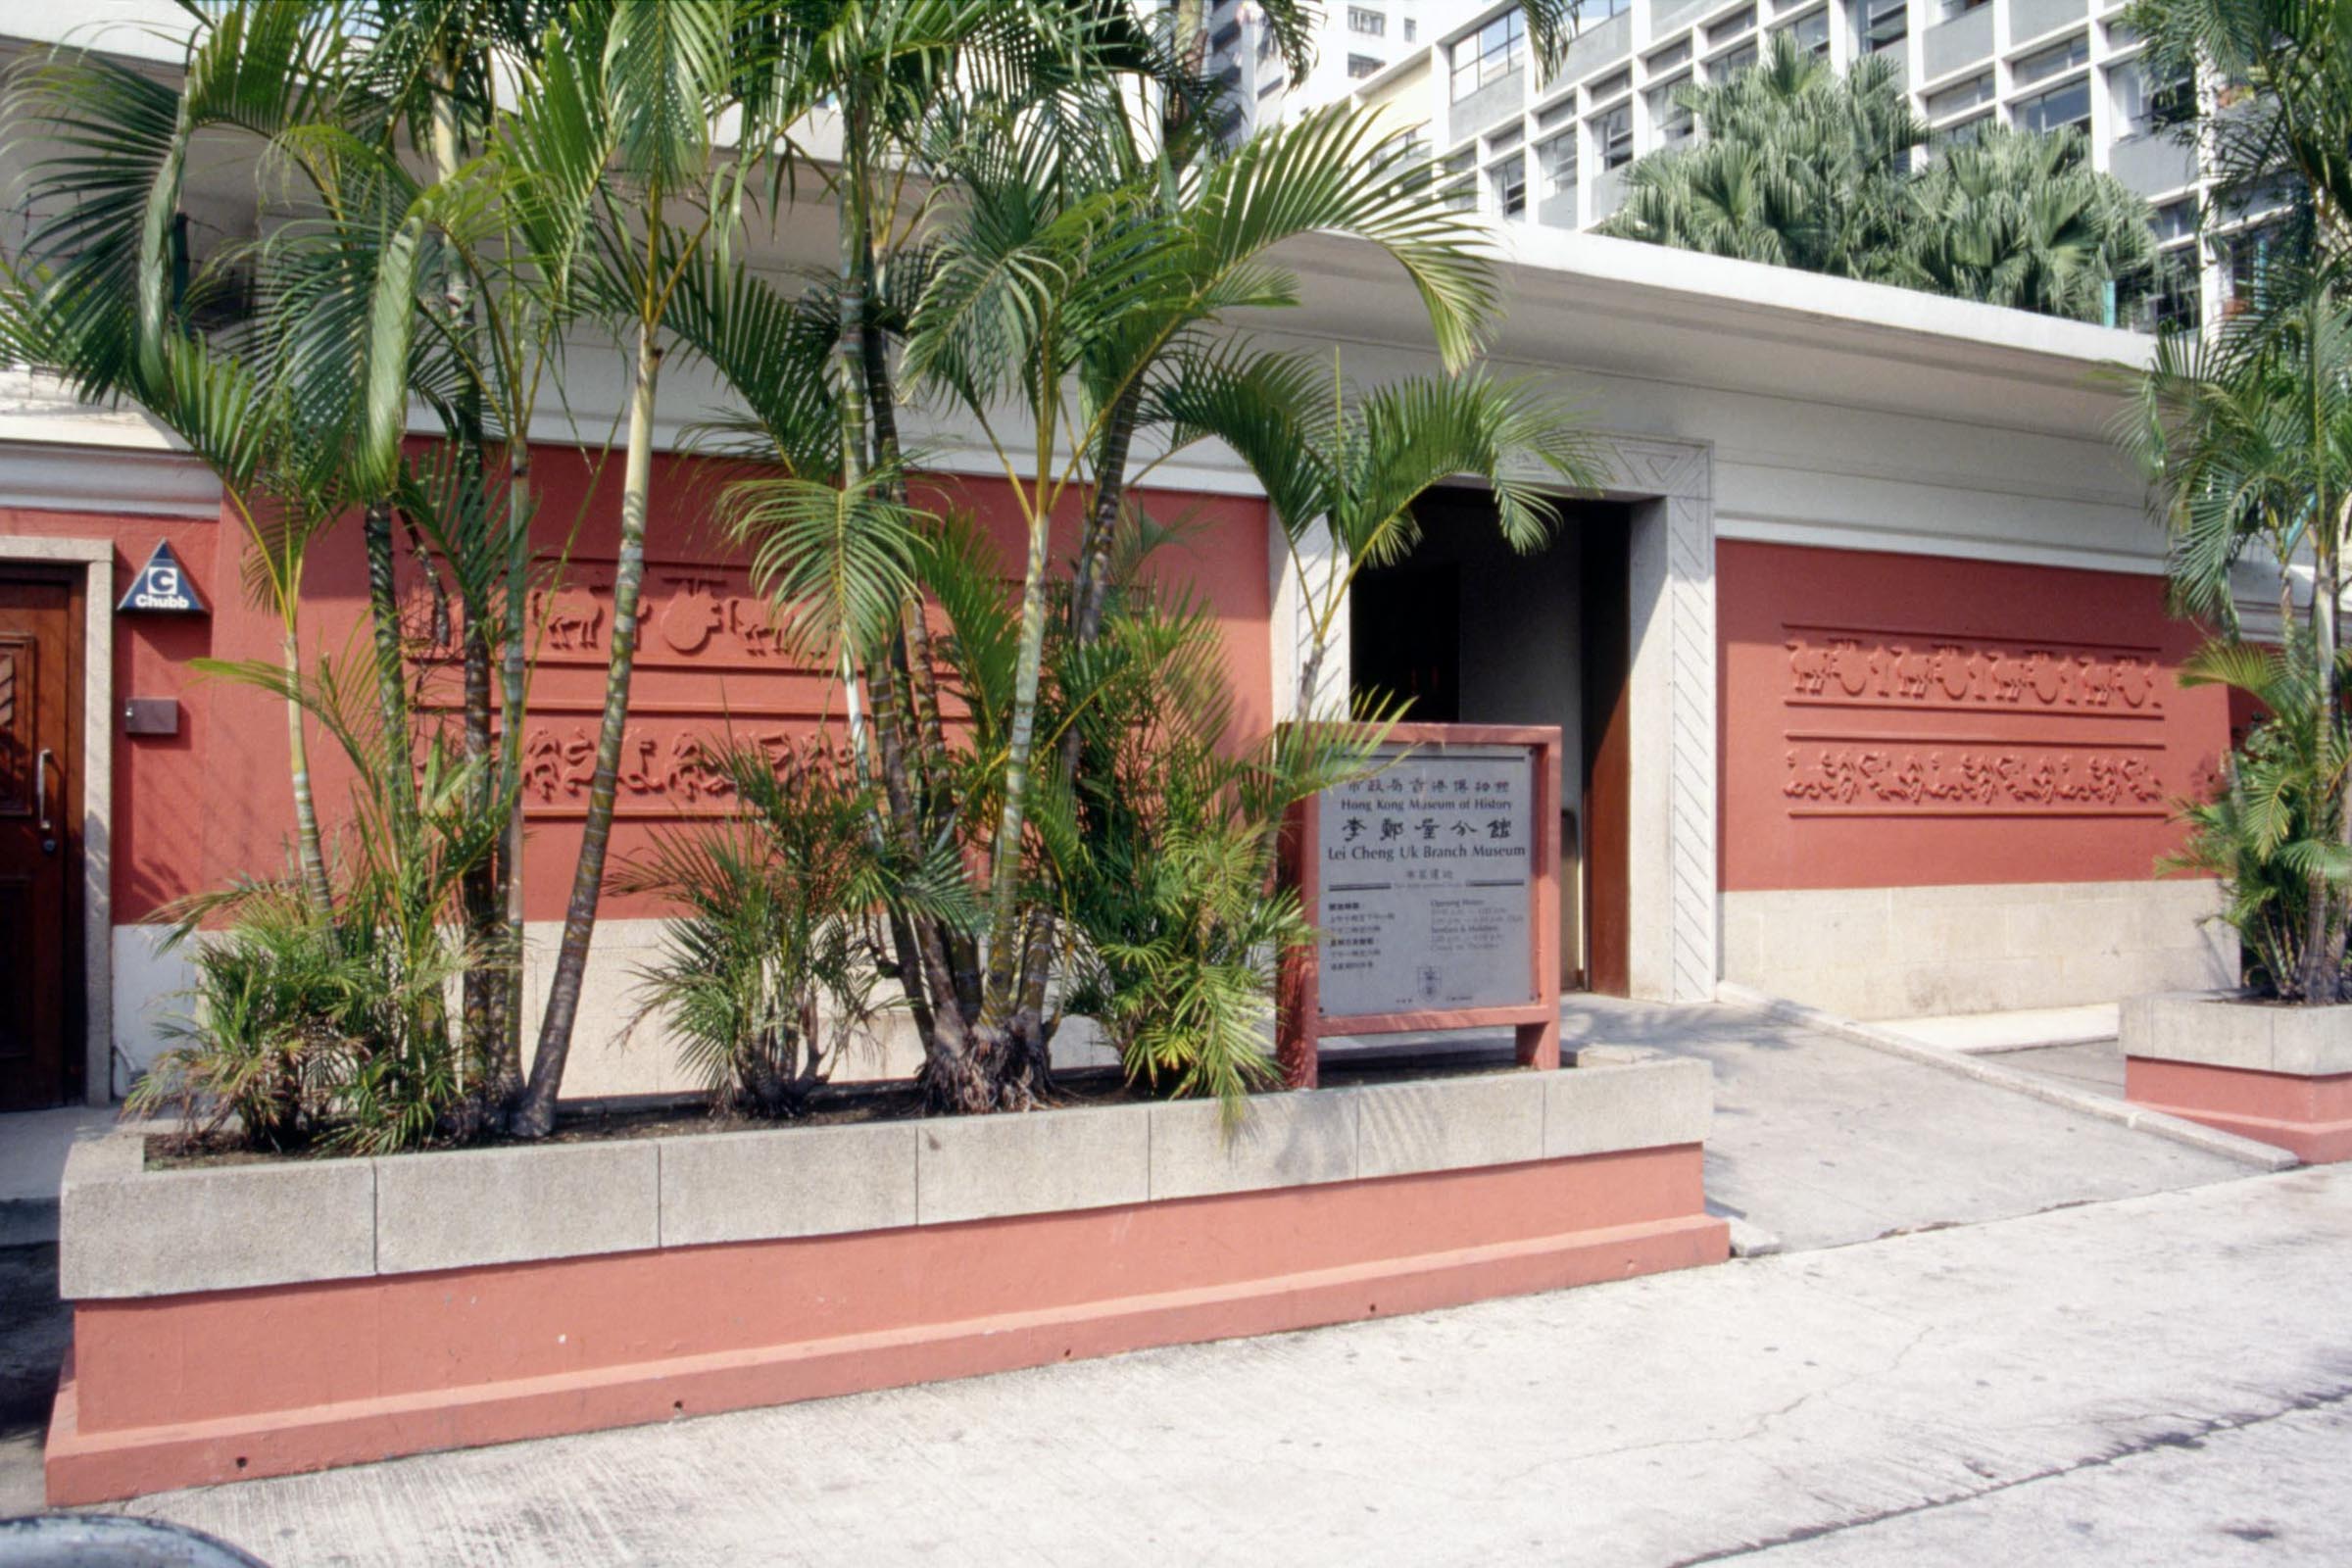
[40, 835]
[1473, 632]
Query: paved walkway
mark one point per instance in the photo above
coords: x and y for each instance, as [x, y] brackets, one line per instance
[1825, 1142]
[2163, 1379]
[34, 1145]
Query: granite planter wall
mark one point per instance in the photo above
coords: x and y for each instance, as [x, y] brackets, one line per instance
[2281, 1074]
[266, 1319]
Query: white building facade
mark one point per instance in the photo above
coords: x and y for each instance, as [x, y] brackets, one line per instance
[1554, 152]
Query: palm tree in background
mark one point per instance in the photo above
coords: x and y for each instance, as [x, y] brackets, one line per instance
[1798, 167]
[2246, 436]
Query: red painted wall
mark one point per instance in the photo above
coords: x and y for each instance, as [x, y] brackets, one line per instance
[1895, 720]
[214, 803]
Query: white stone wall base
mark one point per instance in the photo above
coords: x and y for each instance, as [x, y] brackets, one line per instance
[607, 1058]
[1895, 953]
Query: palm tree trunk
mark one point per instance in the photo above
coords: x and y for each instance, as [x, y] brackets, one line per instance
[1090, 591]
[950, 1076]
[2323, 952]
[535, 1115]
[505, 1072]
[308, 849]
[1004, 950]
[391, 670]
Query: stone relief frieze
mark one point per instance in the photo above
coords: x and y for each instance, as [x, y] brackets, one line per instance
[1829, 667]
[1876, 779]
[667, 769]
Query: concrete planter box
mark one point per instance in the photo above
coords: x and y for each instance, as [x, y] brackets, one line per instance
[2280, 1074]
[266, 1319]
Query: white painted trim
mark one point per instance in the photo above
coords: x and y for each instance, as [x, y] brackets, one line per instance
[106, 482]
[97, 557]
[1672, 916]
[1855, 536]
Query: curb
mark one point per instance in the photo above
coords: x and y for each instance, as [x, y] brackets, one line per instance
[2245, 1151]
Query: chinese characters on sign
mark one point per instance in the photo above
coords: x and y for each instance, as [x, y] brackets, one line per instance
[1425, 872]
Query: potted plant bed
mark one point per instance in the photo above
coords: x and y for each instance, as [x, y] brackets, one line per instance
[2268, 1071]
[236, 1320]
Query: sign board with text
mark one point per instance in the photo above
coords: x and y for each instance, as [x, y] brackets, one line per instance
[1433, 884]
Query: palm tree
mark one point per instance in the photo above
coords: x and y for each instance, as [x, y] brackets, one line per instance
[2247, 435]
[1798, 167]
[95, 296]
[620, 128]
[1795, 166]
[2018, 219]
[2248, 438]
[1345, 470]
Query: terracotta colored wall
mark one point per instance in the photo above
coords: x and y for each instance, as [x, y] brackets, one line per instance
[1905, 720]
[214, 803]
[163, 817]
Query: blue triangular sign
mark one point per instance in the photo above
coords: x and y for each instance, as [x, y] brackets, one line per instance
[162, 585]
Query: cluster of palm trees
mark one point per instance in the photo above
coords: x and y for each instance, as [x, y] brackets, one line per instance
[2246, 434]
[1036, 233]
[1802, 166]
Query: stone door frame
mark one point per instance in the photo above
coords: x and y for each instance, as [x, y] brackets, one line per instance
[1673, 906]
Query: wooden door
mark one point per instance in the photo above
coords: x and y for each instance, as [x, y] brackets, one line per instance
[1608, 754]
[40, 837]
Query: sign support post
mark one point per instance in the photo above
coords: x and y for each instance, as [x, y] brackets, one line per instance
[1434, 888]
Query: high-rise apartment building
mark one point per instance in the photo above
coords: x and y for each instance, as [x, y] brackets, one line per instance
[1355, 40]
[1553, 152]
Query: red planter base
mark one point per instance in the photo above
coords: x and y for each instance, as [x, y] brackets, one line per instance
[2310, 1116]
[179, 1390]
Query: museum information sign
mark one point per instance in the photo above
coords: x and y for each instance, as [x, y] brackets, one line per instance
[1433, 884]
[1426, 874]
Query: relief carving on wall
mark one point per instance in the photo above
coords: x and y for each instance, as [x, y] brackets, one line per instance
[692, 617]
[2024, 779]
[670, 776]
[1829, 667]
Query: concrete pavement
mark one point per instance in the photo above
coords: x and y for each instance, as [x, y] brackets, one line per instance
[2121, 1381]
[1825, 1142]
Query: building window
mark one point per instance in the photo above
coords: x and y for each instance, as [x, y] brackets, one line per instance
[1613, 136]
[1812, 33]
[1509, 180]
[2175, 220]
[1593, 13]
[2044, 64]
[1371, 24]
[2056, 108]
[1967, 95]
[1558, 157]
[1671, 118]
[1461, 198]
[1226, 37]
[1961, 8]
[1732, 27]
[1884, 24]
[1361, 65]
[1488, 55]
[1967, 130]
[1409, 30]
[1723, 68]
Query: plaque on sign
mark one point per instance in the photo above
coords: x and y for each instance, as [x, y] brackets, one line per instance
[1426, 867]
[1433, 885]
[161, 586]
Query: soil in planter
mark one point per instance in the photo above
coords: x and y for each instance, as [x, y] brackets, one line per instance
[833, 1105]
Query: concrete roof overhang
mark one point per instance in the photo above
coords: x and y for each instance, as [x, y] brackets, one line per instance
[1584, 304]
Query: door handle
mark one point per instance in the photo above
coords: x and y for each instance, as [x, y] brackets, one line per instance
[40, 784]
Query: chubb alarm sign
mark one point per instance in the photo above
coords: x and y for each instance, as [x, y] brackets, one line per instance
[162, 585]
